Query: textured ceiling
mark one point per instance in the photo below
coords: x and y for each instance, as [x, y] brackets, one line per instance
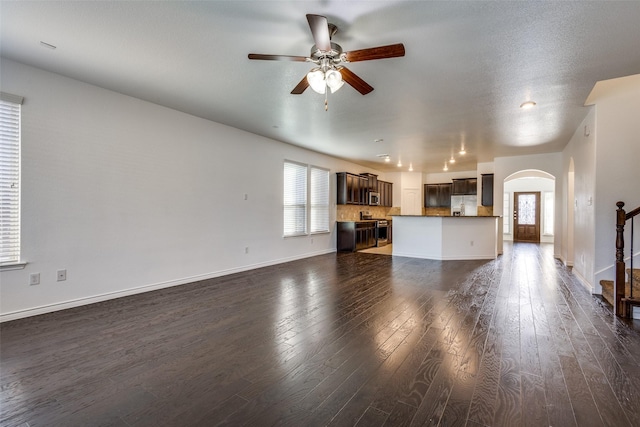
[467, 69]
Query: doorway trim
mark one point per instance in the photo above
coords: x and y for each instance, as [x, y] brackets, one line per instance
[530, 233]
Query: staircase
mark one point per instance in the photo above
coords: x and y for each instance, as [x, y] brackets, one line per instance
[624, 295]
[607, 286]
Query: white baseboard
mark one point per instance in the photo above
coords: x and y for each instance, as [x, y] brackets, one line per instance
[50, 308]
[584, 282]
[445, 258]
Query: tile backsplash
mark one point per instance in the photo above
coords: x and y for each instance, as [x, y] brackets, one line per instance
[352, 212]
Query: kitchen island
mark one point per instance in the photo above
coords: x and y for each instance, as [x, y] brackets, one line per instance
[446, 237]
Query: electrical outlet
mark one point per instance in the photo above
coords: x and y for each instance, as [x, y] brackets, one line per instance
[246, 250]
[472, 243]
[34, 279]
[62, 275]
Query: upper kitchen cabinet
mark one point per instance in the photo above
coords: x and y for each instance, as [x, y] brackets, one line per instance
[466, 186]
[437, 195]
[372, 181]
[487, 189]
[352, 189]
[386, 193]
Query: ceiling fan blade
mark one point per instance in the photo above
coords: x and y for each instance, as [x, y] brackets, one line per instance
[355, 81]
[320, 31]
[380, 52]
[301, 87]
[277, 57]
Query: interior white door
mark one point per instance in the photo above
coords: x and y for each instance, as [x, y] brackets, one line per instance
[411, 203]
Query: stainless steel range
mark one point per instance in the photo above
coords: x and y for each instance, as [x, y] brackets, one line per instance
[382, 232]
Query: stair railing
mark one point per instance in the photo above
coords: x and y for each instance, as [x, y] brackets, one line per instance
[623, 303]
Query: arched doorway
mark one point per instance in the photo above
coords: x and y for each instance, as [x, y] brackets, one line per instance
[529, 206]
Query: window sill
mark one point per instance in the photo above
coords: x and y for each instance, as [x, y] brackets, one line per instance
[315, 233]
[13, 266]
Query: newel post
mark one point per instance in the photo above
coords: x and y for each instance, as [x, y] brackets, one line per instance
[618, 287]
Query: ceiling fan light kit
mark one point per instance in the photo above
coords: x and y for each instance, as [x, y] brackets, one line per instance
[327, 56]
[319, 79]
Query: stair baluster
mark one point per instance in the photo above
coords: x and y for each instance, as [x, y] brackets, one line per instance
[618, 285]
[623, 304]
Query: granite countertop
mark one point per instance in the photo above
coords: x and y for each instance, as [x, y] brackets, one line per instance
[451, 216]
[361, 220]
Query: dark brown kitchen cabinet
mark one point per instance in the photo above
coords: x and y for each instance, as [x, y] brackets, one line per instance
[487, 189]
[386, 193]
[372, 181]
[465, 186]
[352, 189]
[356, 235]
[437, 195]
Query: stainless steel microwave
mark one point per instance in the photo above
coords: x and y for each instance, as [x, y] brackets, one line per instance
[374, 198]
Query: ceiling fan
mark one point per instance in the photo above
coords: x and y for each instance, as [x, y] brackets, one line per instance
[327, 56]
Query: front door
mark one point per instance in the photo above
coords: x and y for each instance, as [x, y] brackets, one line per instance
[526, 217]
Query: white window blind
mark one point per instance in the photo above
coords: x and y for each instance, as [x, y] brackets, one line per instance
[295, 199]
[319, 215]
[9, 178]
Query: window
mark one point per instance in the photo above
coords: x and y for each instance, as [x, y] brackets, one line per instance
[506, 214]
[319, 200]
[548, 213]
[10, 178]
[306, 199]
[295, 199]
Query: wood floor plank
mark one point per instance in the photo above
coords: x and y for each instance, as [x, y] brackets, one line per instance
[432, 406]
[401, 415]
[534, 403]
[559, 408]
[483, 402]
[582, 400]
[457, 408]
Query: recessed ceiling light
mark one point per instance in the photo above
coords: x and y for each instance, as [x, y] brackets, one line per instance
[399, 164]
[527, 105]
[410, 167]
[452, 160]
[462, 151]
[446, 167]
[387, 159]
[47, 45]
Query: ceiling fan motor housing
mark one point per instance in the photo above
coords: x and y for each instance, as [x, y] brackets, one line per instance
[334, 54]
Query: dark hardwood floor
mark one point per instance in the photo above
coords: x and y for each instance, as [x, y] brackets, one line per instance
[340, 340]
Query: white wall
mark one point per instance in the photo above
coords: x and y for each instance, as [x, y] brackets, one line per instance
[617, 164]
[581, 148]
[130, 196]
